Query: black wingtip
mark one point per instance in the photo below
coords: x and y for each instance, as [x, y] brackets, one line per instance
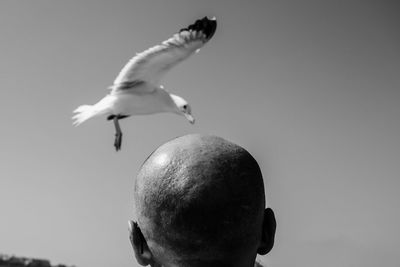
[206, 25]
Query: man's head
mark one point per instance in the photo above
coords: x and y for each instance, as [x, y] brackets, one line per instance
[199, 201]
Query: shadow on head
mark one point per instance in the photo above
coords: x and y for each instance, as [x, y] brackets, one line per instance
[199, 201]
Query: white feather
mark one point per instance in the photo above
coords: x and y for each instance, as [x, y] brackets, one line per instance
[152, 64]
[83, 113]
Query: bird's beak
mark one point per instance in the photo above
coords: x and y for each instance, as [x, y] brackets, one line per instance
[189, 117]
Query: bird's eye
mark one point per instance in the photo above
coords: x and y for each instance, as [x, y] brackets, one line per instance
[184, 106]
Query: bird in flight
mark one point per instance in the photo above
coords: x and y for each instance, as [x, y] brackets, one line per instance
[137, 89]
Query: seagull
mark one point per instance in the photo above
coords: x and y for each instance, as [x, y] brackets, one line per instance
[137, 89]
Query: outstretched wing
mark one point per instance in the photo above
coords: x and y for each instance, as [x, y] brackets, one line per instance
[150, 65]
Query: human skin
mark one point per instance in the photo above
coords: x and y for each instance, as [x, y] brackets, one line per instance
[199, 201]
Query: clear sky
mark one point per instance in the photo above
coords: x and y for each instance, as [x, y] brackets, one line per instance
[310, 88]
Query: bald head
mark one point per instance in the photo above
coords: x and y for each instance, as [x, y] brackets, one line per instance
[200, 196]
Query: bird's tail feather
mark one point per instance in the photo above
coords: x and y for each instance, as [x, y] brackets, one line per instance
[83, 113]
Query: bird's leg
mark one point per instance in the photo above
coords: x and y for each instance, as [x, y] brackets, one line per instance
[118, 134]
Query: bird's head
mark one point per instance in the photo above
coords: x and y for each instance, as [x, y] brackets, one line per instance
[183, 108]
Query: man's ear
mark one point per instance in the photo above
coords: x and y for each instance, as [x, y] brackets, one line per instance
[140, 248]
[268, 232]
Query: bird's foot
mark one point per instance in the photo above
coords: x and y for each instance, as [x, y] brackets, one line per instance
[118, 141]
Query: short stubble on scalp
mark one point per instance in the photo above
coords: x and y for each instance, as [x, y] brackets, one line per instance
[200, 196]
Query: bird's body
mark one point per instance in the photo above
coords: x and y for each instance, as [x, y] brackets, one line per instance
[129, 102]
[126, 103]
[136, 90]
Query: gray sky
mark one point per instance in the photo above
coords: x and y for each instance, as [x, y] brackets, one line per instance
[310, 88]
